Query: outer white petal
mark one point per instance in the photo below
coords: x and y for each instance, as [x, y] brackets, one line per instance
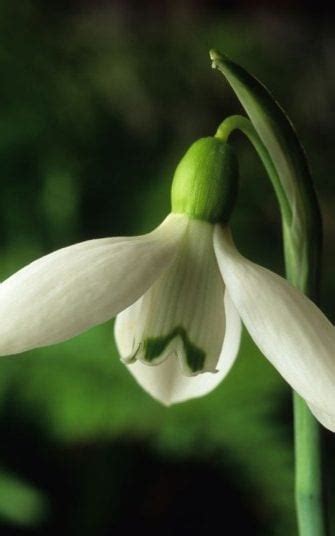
[287, 327]
[328, 421]
[72, 289]
[166, 382]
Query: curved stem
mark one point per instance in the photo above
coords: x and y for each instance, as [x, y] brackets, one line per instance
[244, 125]
[308, 472]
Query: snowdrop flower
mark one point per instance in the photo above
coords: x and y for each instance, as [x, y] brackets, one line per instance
[180, 294]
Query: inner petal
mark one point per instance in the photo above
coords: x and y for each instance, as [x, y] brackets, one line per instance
[182, 312]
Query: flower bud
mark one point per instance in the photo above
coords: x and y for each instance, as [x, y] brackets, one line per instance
[205, 182]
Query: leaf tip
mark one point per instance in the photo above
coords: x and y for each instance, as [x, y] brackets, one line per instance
[214, 56]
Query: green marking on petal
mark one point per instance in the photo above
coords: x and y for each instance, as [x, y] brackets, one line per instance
[154, 346]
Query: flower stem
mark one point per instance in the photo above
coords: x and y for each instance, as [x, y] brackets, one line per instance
[308, 477]
[308, 473]
[243, 124]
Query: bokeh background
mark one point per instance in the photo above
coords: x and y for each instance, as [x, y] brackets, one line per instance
[98, 102]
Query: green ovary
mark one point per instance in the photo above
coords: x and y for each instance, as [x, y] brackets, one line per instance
[153, 347]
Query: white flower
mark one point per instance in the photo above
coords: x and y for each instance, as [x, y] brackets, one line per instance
[180, 293]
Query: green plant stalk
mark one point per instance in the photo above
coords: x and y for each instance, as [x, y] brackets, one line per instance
[308, 466]
[308, 471]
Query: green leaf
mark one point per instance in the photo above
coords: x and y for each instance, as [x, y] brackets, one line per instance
[302, 223]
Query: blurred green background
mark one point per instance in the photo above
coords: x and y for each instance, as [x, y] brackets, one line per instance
[98, 102]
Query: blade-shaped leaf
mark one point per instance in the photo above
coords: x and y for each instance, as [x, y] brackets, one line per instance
[302, 229]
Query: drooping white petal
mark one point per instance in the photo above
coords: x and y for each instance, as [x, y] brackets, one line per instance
[182, 312]
[287, 327]
[327, 420]
[74, 288]
[166, 382]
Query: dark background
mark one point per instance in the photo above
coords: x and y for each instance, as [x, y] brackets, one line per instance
[98, 102]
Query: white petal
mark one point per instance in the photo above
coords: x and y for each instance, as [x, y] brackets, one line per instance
[182, 312]
[287, 327]
[328, 421]
[166, 382]
[72, 289]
